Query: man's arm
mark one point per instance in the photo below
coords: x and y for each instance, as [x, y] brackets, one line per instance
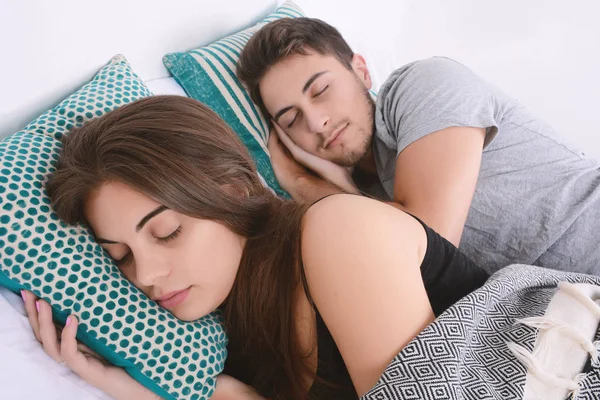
[435, 180]
[436, 177]
[310, 188]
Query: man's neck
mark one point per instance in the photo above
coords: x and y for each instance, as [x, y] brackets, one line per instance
[364, 173]
[367, 163]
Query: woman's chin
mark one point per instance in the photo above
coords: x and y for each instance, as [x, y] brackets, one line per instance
[189, 315]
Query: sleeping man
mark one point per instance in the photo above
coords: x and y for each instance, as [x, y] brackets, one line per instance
[439, 143]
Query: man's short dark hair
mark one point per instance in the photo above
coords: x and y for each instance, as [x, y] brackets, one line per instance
[283, 38]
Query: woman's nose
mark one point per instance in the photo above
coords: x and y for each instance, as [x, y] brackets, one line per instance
[150, 268]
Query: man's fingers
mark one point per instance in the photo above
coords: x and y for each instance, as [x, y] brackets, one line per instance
[277, 127]
[274, 145]
[48, 331]
[277, 149]
[273, 139]
[305, 158]
[285, 139]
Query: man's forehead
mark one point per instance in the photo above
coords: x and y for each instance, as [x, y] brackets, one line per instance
[295, 71]
[292, 76]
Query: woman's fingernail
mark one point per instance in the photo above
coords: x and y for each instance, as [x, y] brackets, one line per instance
[68, 321]
[37, 306]
[23, 295]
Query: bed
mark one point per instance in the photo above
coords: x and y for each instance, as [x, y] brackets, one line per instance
[542, 53]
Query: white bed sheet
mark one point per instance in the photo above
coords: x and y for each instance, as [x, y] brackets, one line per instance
[27, 371]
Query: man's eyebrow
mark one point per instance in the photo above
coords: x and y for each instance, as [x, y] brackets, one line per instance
[281, 112]
[304, 89]
[311, 80]
[140, 224]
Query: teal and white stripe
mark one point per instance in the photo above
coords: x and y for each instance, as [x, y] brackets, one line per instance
[208, 74]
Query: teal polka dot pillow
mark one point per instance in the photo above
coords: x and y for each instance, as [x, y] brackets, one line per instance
[63, 265]
[208, 74]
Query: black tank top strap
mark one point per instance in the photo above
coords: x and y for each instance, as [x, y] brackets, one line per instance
[328, 195]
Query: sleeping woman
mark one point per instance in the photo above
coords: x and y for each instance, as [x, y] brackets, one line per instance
[317, 299]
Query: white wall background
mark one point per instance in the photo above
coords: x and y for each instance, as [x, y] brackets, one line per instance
[544, 53]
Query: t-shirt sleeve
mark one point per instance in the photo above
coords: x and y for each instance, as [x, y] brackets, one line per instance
[431, 95]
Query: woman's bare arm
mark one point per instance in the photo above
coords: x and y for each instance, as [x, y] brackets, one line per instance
[362, 260]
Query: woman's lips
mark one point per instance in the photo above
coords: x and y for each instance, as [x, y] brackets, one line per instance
[173, 299]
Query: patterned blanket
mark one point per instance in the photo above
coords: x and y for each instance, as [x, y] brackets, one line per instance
[523, 335]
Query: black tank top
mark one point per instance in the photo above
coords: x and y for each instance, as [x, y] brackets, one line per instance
[448, 275]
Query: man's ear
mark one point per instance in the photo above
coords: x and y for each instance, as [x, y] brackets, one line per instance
[359, 66]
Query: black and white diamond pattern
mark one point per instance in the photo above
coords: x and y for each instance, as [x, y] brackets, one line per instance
[463, 353]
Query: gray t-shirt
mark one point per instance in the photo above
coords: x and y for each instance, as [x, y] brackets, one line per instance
[537, 199]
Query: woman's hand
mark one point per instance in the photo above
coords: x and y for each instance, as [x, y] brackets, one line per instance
[64, 349]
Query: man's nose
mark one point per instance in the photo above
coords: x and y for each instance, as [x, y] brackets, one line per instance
[318, 121]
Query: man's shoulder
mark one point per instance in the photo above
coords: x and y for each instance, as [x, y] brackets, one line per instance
[426, 73]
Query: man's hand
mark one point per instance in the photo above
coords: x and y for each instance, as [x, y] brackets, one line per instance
[330, 171]
[287, 170]
[297, 180]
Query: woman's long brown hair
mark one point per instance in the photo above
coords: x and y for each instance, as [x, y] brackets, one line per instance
[181, 154]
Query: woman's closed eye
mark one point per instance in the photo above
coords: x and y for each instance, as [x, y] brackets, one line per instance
[164, 239]
[171, 236]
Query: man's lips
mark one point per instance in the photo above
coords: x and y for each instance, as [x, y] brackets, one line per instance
[334, 136]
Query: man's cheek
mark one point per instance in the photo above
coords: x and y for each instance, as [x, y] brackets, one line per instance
[304, 143]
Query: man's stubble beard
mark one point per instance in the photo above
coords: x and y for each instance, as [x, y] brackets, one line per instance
[354, 157]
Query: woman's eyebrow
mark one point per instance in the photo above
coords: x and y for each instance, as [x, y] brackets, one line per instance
[150, 215]
[140, 224]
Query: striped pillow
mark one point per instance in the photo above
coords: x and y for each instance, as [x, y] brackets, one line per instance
[208, 74]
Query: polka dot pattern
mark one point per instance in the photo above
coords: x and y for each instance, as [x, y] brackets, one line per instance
[63, 265]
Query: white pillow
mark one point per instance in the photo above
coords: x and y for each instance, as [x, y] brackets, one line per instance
[165, 86]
